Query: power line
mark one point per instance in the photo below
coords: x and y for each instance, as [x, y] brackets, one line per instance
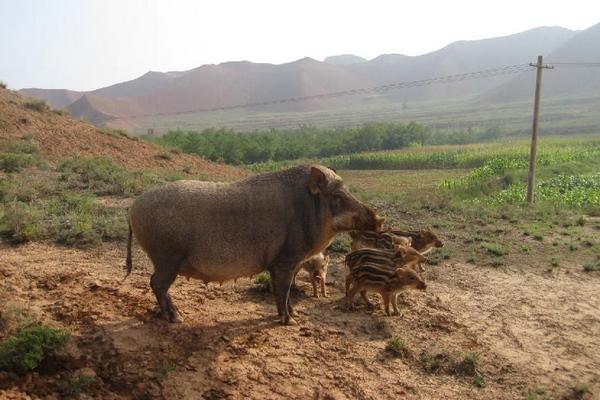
[487, 73]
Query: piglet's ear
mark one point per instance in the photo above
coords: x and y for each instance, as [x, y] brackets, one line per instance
[317, 181]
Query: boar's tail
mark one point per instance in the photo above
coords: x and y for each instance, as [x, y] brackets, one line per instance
[128, 262]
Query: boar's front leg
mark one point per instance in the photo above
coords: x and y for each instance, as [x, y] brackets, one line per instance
[282, 274]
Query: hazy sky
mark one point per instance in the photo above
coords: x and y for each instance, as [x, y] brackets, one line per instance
[86, 44]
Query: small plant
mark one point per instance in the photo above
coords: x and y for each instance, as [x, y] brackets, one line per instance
[263, 279]
[581, 390]
[555, 262]
[494, 249]
[13, 162]
[537, 394]
[2, 85]
[165, 156]
[62, 112]
[591, 266]
[396, 346]
[497, 262]
[434, 363]
[580, 221]
[76, 385]
[25, 351]
[469, 366]
[38, 105]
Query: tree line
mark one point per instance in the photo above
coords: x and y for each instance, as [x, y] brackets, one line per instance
[311, 142]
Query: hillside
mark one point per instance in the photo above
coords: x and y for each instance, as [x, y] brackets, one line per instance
[62, 136]
[234, 83]
[563, 80]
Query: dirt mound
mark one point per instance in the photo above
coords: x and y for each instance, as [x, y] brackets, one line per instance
[62, 136]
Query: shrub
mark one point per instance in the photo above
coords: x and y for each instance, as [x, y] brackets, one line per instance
[494, 249]
[62, 112]
[2, 85]
[591, 266]
[36, 105]
[433, 363]
[25, 351]
[22, 222]
[11, 162]
[396, 346]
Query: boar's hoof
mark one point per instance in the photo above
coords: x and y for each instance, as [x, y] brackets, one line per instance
[288, 320]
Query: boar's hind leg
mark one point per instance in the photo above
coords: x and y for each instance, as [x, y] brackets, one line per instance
[165, 272]
[282, 277]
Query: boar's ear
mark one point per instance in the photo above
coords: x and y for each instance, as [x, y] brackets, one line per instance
[331, 168]
[317, 182]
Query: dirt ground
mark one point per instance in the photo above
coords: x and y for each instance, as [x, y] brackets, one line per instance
[533, 333]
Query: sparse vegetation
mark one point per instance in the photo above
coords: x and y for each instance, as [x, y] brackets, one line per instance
[38, 105]
[25, 351]
[62, 112]
[2, 85]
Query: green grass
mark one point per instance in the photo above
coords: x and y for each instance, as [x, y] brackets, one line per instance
[262, 279]
[26, 351]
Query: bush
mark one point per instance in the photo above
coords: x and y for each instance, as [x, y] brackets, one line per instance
[25, 351]
[10, 162]
[62, 112]
[22, 222]
[36, 105]
[2, 85]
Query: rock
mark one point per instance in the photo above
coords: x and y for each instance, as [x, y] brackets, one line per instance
[86, 372]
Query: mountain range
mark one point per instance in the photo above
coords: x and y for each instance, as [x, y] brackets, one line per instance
[242, 82]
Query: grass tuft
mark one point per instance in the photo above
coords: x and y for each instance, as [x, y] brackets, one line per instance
[396, 346]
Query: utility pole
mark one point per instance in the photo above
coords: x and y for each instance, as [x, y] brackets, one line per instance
[534, 133]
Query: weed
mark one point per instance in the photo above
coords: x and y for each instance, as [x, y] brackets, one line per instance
[76, 386]
[396, 346]
[62, 112]
[494, 249]
[2, 85]
[25, 351]
[591, 266]
[537, 394]
[580, 221]
[263, 279]
[38, 105]
[555, 262]
[497, 262]
[581, 390]
[434, 363]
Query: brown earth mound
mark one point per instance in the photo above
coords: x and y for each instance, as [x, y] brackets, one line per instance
[62, 136]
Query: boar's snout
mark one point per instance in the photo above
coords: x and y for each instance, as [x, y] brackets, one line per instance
[367, 220]
[422, 285]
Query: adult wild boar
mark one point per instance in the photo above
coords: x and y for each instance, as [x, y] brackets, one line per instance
[223, 231]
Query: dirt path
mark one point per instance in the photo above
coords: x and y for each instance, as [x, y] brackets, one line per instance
[529, 330]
